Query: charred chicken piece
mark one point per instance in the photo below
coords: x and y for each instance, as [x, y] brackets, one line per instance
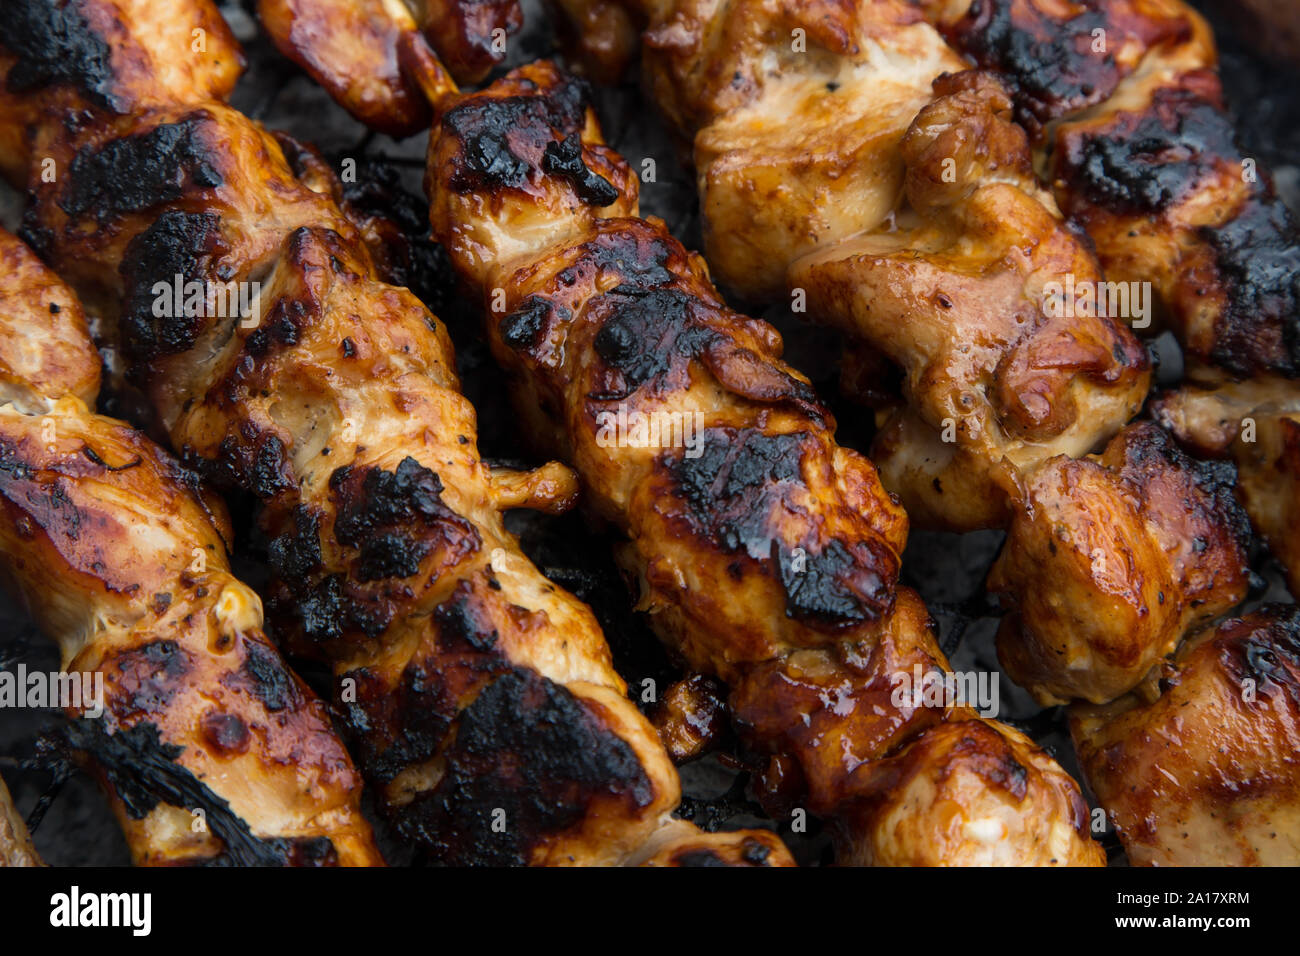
[120, 556]
[1256, 423]
[1003, 368]
[767, 554]
[1203, 771]
[478, 692]
[1111, 560]
[843, 157]
[1124, 101]
[15, 842]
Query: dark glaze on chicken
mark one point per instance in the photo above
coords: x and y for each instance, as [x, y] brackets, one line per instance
[768, 559]
[120, 556]
[481, 696]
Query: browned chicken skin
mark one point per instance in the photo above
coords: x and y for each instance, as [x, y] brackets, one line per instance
[121, 558]
[1111, 561]
[482, 697]
[350, 47]
[768, 559]
[15, 842]
[844, 159]
[956, 293]
[1204, 769]
[1141, 153]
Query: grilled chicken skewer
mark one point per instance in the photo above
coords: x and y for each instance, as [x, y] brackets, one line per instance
[1126, 108]
[768, 560]
[1110, 560]
[925, 238]
[15, 842]
[482, 697]
[211, 749]
[1006, 388]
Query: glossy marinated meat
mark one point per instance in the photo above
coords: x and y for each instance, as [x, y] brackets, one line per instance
[766, 557]
[481, 697]
[120, 556]
[1113, 559]
[1207, 772]
[1124, 100]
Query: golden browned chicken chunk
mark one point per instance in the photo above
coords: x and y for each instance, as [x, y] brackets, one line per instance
[794, 113]
[1111, 560]
[1123, 98]
[971, 793]
[481, 697]
[15, 842]
[1257, 424]
[1003, 366]
[1202, 770]
[767, 555]
[186, 711]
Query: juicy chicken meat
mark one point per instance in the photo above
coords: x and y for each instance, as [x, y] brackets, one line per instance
[767, 560]
[794, 112]
[1256, 423]
[120, 557]
[482, 697]
[999, 376]
[1134, 137]
[844, 158]
[767, 557]
[15, 842]
[1111, 560]
[1204, 770]
[351, 47]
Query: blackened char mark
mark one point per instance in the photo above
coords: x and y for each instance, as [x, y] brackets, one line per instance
[177, 243]
[1146, 162]
[264, 676]
[147, 678]
[646, 334]
[564, 159]
[296, 553]
[639, 255]
[400, 727]
[528, 760]
[396, 519]
[1057, 67]
[738, 491]
[502, 139]
[1258, 258]
[139, 171]
[253, 460]
[1050, 64]
[304, 601]
[1151, 450]
[143, 772]
[54, 44]
[324, 610]
[522, 329]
